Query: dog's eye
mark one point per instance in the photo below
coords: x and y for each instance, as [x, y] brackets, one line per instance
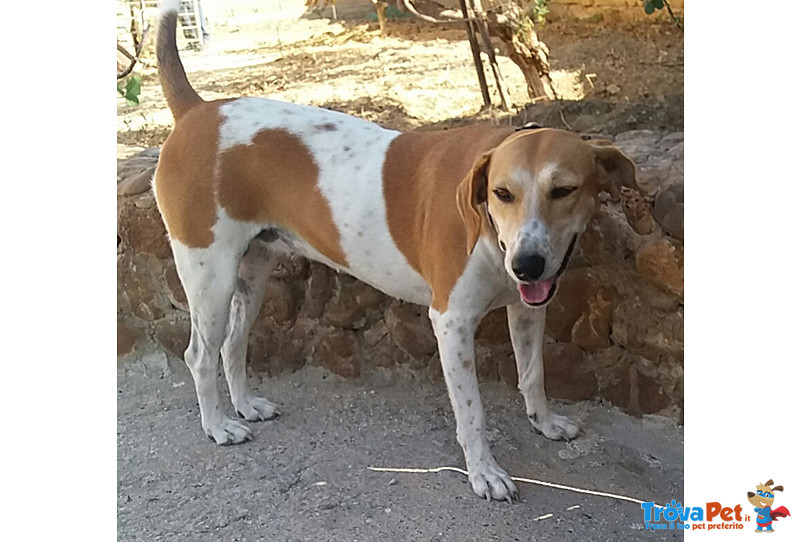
[504, 195]
[562, 191]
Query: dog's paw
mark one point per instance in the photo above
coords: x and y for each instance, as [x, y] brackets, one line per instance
[554, 426]
[489, 482]
[228, 432]
[254, 409]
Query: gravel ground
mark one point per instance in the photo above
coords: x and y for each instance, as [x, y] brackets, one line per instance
[305, 475]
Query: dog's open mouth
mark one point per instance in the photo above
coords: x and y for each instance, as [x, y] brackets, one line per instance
[538, 293]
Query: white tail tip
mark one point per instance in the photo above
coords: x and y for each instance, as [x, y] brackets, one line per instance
[168, 6]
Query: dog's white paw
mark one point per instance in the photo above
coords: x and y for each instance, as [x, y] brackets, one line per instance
[228, 432]
[254, 409]
[489, 482]
[554, 426]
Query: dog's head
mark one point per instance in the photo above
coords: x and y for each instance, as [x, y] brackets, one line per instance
[764, 495]
[536, 192]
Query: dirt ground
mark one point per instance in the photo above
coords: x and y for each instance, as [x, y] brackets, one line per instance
[611, 77]
[305, 476]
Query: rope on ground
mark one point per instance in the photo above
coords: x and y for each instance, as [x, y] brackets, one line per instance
[516, 479]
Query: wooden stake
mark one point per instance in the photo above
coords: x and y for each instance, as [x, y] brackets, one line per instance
[476, 56]
[477, 9]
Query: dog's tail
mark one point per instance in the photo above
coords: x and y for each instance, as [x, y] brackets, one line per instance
[181, 97]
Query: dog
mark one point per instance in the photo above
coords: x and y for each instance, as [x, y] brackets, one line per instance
[762, 500]
[463, 221]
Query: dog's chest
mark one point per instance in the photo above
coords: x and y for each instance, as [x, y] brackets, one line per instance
[349, 154]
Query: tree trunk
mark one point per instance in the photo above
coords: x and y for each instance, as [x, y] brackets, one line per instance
[509, 24]
[517, 32]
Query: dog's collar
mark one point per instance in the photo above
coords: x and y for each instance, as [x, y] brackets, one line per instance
[567, 256]
[529, 126]
[489, 216]
[493, 225]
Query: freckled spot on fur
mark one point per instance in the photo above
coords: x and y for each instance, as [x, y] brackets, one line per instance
[327, 127]
[469, 402]
[242, 286]
[467, 363]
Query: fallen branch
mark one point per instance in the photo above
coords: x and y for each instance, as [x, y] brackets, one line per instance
[516, 479]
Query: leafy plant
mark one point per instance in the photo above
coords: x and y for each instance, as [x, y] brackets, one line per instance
[130, 89]
[651, 5]
[537, 10]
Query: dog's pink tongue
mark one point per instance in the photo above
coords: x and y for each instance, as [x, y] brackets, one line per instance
[535, 292]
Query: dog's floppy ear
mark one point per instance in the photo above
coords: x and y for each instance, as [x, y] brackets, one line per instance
[777, 488]
[614, 168]
[470, 195]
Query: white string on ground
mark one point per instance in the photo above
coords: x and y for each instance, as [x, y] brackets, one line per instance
[412, 470]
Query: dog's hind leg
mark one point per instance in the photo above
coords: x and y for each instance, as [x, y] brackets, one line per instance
[209, 280]
[254, 272]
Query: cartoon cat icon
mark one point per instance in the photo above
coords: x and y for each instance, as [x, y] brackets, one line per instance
[762, 499]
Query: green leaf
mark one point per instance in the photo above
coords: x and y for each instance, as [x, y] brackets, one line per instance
[649, 7]
[134, 86]
[659, 4]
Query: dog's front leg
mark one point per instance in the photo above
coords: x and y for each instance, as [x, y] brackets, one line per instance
[526, 325]
[455, 334]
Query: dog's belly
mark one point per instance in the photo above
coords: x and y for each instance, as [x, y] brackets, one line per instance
[349, 154]
[403, 284]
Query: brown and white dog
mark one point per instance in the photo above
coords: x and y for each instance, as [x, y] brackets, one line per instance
[463, 221]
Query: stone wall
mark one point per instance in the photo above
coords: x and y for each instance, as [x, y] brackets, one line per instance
[614, 330]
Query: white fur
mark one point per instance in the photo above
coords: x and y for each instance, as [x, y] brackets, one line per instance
[479, 288]
[168, 6]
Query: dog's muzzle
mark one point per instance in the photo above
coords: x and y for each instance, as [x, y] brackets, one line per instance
[538, 292]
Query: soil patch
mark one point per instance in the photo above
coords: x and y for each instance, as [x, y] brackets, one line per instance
[612, 77]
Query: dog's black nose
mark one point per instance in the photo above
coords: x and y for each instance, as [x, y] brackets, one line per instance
[528, 267]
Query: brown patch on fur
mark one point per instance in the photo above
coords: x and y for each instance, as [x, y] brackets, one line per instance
[421, 174]
[274, 181]
[184, 178]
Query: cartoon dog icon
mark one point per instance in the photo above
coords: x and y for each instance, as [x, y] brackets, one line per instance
[762, 499]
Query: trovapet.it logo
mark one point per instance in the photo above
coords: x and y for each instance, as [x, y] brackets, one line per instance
[716, 516]
[713, 515]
